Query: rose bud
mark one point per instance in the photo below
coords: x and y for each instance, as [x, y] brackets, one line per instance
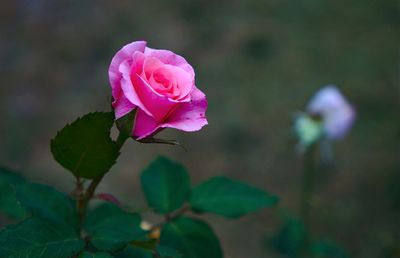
[159, 86]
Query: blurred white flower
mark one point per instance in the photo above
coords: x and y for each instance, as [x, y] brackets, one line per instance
[336, 112]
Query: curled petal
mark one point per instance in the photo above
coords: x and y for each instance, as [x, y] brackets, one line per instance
[122, 106]
[156, 105]
[189, 116]
[169, 57]
[122, 55]
[128, 88]
[145, 125]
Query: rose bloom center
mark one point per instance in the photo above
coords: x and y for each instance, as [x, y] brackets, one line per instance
[164, 82]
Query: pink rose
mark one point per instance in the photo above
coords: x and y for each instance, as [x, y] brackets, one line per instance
[160, 85]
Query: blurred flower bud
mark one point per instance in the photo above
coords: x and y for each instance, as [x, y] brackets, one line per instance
[336, 112]
[308, 130]
[108, 198]
[155, 232]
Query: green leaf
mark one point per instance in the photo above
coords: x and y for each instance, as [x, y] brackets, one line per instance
[148, 244]
[110, 228]
[192, 238]
[8, 201]
[38, 238]
[230, 198]
[95, 255]
[46, 202]
[125, 124]
[165, 184]
[132, 252]
[291, 238]
[166, 252]
[85, 147]
[327, 249]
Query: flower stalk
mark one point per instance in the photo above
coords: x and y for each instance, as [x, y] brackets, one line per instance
[306, 195]
[84, 197]
[171, 216]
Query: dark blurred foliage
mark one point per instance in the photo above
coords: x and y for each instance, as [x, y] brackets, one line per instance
[258, 62]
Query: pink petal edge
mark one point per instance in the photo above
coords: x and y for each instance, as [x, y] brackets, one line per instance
[122, 55]
[169, 57]
[122, 106]
[145, 125]
[189, 116]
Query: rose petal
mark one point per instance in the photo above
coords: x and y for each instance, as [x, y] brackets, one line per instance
[179, 87]
[155, 105]
[122, 106]
[189, 116]
[123, 54]
[169, 57]
[150, 64]
[180, 78]
[128, 89]
[184, 81]
[145, 125]
[140, 93]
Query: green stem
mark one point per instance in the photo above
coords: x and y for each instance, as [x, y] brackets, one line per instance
[309, 169]
[121, 140]
[171, 216]
[79, 194]
[307, 185]
[84, 199]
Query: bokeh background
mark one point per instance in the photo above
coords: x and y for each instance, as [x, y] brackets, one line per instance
[259, 62]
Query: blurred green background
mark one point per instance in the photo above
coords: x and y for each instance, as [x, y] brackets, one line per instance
[258, 62]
